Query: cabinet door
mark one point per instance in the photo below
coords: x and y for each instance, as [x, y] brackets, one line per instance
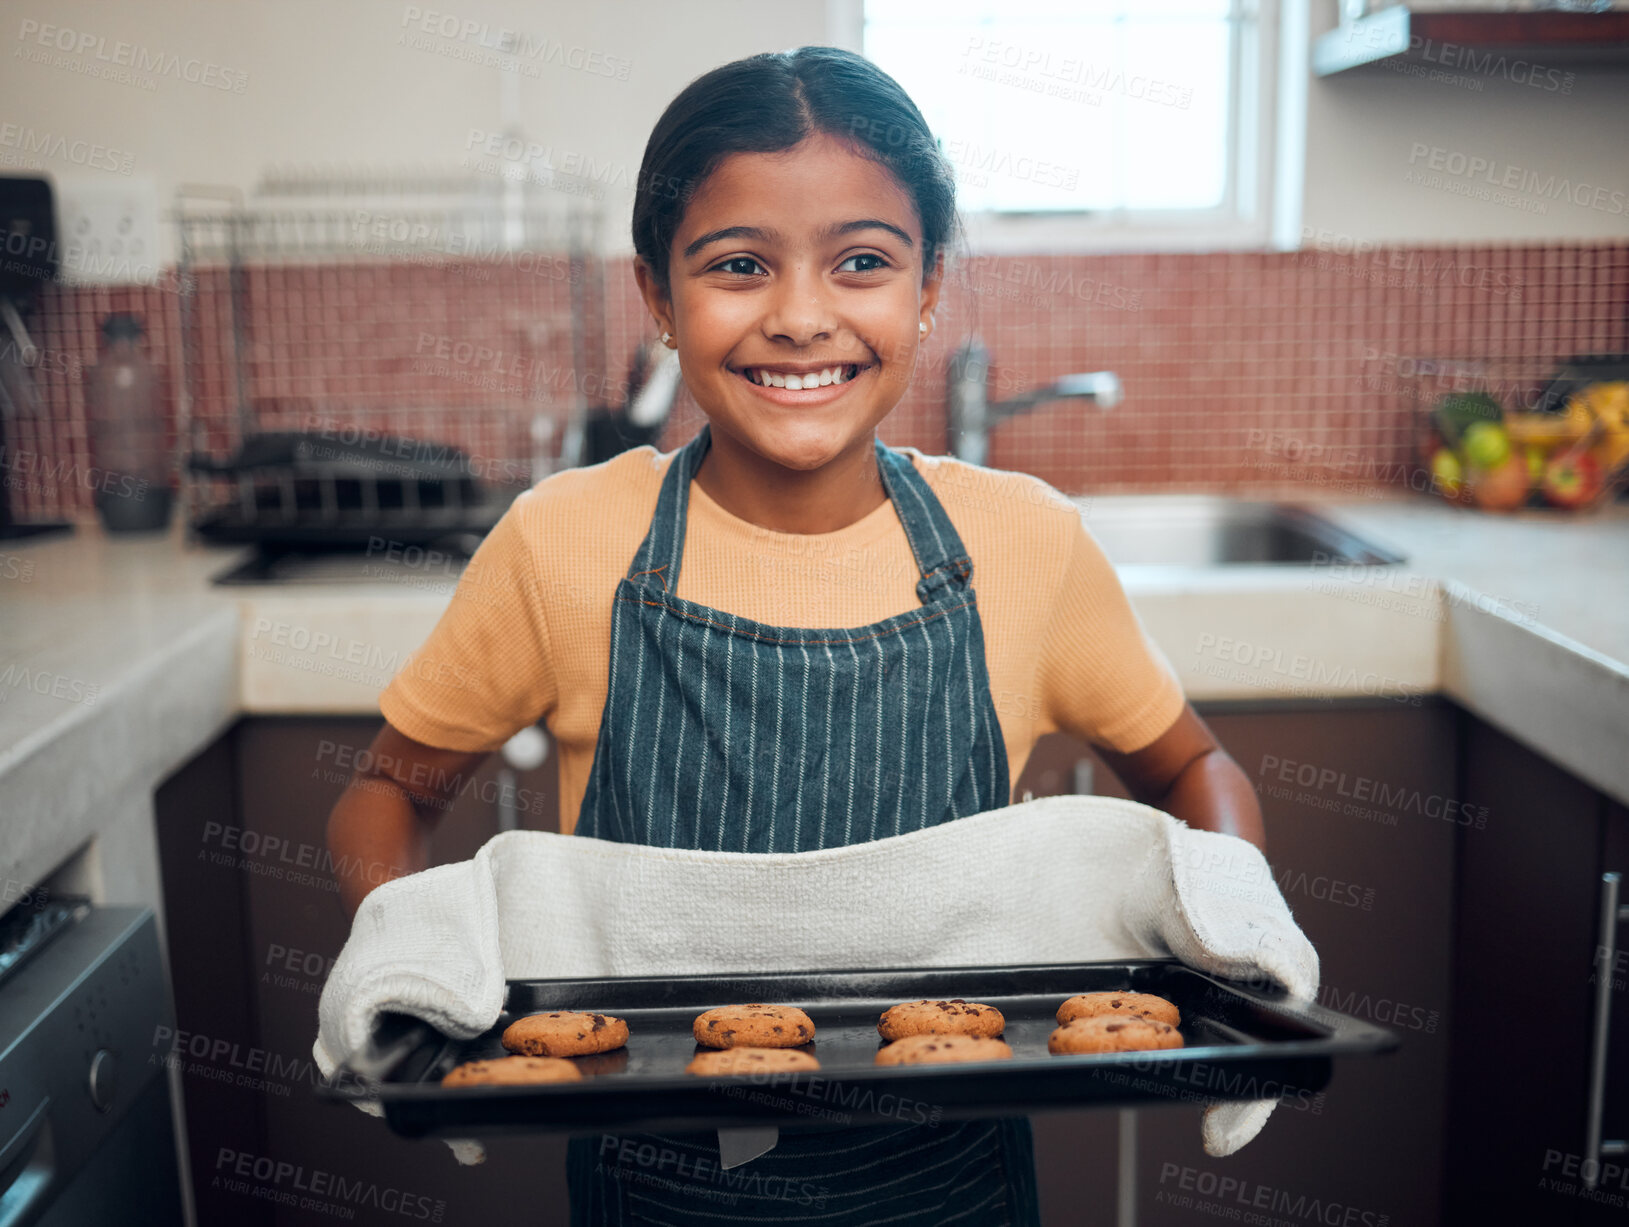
[1525, 924]
[255, 925]
[206, 934]
[1614, 1175]
[1077, 1154]
[1360, 836]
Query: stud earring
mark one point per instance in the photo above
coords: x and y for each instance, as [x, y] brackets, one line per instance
[922, 328]
[667, 339]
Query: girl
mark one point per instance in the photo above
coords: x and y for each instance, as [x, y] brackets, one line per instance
[670, 615]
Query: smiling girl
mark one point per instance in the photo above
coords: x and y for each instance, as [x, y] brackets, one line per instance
[769, 639]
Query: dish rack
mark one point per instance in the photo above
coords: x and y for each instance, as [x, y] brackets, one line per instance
[341, 357]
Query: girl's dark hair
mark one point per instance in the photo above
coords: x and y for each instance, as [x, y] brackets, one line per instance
[769, 102]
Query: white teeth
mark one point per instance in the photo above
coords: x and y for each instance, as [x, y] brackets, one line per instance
[797, 383]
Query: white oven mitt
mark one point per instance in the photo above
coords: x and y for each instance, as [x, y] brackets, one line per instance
[1069, 879]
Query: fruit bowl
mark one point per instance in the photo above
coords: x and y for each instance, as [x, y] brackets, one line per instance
[1482, 452]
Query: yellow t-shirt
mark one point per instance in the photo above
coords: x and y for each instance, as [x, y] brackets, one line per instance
[527, 634]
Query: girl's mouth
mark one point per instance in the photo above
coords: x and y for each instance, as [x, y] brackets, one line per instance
[766, 377]
[809, 388]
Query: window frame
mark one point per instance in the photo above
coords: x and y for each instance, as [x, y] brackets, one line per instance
[1242, 221]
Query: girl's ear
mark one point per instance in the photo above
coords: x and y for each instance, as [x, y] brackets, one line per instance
[931, 286]
[656, 298]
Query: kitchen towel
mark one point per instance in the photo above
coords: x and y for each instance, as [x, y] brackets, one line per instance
[1052, 880]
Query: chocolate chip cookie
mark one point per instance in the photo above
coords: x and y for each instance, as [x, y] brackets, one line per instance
[750, 1061]
[953, 1017]
[565, 1033]
[512, 1071]
[1121, 1005]
[942, 1049]
[1106, 1033]
[753, 1026]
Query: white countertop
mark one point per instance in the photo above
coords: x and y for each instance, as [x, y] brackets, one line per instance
[119, 661]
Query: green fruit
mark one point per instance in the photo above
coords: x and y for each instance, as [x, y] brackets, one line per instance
[1535, 465]
[1454, 413]
[1446, 472]
[1486, 444]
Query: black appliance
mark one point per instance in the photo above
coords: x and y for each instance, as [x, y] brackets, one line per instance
[86, 1130]
[344, 492]
[28, 261]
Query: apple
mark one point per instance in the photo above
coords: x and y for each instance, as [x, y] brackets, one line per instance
[1572, 480]
[1486, 444]
[1501, 488]
[1447, 474]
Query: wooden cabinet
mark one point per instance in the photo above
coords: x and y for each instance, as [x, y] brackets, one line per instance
[254, 925]
[1361, 839]
[1526, 918]
[1448, 877]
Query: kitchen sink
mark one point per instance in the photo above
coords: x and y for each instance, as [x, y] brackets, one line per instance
[1205, 531]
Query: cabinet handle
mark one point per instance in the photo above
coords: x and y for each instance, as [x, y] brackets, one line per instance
[1606, 951]
[525, 751]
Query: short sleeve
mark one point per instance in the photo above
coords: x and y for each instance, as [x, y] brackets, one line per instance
[1101, 677]
[485, 672]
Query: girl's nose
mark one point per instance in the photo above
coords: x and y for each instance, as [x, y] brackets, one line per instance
[800, 310]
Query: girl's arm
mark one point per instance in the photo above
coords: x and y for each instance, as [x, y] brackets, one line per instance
[1187, 774]
[380, 826]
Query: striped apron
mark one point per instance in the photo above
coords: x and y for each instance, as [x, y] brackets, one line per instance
[728, 734]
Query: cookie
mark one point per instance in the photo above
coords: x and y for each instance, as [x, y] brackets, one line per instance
[942, 1049]
[565, 1033]
[1122, 1005]
[746, 1060]
[953, 1017]
[1110, 1034]
[512, 1071]
[753, 1026]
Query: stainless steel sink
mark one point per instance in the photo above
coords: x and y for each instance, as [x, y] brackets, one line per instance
[1205, 531]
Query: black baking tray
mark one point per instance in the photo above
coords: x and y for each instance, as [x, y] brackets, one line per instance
[1242, 1042]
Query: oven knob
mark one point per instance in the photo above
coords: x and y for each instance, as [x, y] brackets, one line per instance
[104, 1078]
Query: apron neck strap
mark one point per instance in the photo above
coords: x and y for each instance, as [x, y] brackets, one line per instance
[940, 556]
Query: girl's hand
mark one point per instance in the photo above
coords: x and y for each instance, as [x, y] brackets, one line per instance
[1188, 775]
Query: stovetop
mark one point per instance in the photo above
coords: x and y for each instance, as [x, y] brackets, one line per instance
[432, 570]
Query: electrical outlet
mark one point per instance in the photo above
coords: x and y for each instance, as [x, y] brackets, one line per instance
[108, 232]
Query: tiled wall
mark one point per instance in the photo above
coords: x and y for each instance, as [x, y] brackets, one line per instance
[1243, 372]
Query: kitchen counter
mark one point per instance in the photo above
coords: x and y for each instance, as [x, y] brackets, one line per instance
[119, 661]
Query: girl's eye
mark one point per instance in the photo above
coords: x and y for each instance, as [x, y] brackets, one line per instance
[867, 255]
[727, 265]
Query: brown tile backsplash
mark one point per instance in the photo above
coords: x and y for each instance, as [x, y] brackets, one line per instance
[1243, 372]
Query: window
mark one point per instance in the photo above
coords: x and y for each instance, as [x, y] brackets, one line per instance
[1079, 123]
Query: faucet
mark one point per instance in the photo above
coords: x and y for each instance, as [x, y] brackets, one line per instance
[971, 416]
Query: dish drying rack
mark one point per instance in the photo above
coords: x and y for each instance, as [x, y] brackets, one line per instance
[264, 277]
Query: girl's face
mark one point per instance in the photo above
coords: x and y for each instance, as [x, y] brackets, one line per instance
[787, 264]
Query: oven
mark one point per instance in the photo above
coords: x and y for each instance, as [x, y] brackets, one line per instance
[86, 1129]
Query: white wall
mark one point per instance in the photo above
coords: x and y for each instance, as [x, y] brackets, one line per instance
[336, 83]
[1365, 131]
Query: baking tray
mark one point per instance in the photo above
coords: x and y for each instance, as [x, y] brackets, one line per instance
[1243, 1042]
